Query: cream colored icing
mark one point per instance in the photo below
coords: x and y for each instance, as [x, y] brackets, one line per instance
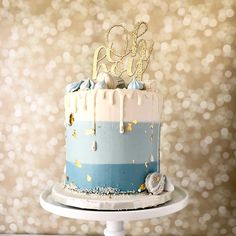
[115, 105]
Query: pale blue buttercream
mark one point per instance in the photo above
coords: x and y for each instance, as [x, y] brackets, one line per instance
[119, 161]
[122, 177]
[137, 145]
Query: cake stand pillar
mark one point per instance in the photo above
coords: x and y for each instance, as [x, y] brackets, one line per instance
[114, 228]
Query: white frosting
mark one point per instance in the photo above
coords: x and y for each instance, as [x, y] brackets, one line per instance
[119, 105]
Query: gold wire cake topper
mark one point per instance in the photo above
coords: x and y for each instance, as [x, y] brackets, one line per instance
[134, 58]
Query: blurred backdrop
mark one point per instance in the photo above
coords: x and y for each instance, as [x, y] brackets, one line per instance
[45, 45]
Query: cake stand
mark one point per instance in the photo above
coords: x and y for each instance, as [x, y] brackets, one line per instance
[115, 219]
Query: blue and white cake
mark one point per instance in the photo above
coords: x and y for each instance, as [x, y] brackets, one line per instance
[112, 136]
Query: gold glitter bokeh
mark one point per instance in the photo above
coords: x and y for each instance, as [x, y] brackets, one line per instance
[46, 44]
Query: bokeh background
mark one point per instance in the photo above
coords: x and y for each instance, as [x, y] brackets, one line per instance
[45, 45]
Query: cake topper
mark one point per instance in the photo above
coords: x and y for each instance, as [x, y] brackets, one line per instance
[131, 61]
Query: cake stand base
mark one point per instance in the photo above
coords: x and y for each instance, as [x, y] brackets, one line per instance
[115, 219]
[65, 196]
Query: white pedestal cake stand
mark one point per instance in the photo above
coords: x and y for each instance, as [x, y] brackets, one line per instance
[115, 219]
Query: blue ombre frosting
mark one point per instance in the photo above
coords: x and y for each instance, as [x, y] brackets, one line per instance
[119, 161]
[122, 177]
[112, 138]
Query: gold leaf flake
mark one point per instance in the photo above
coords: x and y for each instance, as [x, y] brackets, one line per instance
[89, 178]
[129, 127]
[142, 187]
[90, 132]
[78, 164]
[74, 134]
[135, 122]
[71, 119]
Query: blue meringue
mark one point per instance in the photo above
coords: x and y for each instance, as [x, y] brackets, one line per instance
[73, 87]
[87, 84]
[136, 84]
[101, 85]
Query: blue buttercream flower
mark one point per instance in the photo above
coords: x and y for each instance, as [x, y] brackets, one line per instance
[136, 84]
[101, 85]
[87, 84]
[73, 87]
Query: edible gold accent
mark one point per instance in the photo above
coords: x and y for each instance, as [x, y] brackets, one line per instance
[74, 134]
[78, 164]
[129, 127]
[89, 178]
[71, 119]
[90, 131]
[135, 122]
[142, 187]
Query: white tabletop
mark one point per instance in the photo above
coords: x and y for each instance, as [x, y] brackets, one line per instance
[178, 202]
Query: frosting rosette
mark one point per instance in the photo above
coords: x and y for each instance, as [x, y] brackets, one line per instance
[136, 84]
